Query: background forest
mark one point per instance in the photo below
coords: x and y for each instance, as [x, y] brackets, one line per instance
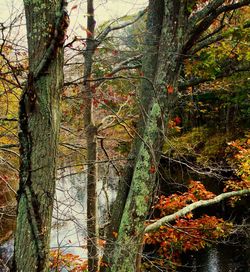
[150, 170]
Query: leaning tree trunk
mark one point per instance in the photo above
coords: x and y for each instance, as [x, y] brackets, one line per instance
[39, 117]
[132, 226]
[152, 37]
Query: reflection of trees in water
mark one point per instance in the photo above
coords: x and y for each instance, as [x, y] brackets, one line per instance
[220, 258]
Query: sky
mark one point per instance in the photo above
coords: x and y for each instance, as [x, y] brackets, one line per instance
[104, 9]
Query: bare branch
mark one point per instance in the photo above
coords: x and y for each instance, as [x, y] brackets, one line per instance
[199, 25]
[226, 72]
[202, 203]
[5, 119]
[124, 64]
[107, 30]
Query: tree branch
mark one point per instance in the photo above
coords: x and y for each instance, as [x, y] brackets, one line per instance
[123, 65]
[202, 203]
[203, 13]
[227, 71]
[5, 119]
[199, 25]
[5, 146]
[108, 29]
[205, 43]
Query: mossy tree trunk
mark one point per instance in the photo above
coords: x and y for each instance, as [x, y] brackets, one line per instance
[132, 226]
[152, 37]
[39, 117]
[183, 32]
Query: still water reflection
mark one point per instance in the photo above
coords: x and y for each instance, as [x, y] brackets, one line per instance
[221, 258]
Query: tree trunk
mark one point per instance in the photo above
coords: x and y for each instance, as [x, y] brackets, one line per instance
[154, 24]
[39, 117]
[132, 226]
[91, 141]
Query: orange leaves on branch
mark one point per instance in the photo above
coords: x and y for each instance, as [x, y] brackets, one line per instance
[71, 262]
[175, 202]
[187, 233]
[199, 191]
[240, 162]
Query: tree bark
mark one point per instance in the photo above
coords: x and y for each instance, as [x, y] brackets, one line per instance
[39, 117]
[131, 229]
[181, 29]
[154, 24]
[91, 141]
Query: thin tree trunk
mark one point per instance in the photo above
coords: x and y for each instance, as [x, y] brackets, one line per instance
[39, 117]
[91, 139]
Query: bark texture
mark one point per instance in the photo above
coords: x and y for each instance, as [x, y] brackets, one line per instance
[91, 139]
[39, 117]
[181, 29]
[143, 182]
[154, 24]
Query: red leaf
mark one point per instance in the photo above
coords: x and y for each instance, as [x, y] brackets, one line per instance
[170, 89]
[177, 120]
[152, 169]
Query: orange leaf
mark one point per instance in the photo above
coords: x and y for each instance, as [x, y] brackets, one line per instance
[74, 7]
[101, 242]
[189, 215]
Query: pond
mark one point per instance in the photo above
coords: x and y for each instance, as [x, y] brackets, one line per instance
[219, 258]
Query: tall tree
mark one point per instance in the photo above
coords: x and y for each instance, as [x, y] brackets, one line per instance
[181, 30]
[91, 138]
[152, 36]
[39, 117]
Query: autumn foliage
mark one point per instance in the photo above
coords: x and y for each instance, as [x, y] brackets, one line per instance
[67, 261]
[186, 234]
